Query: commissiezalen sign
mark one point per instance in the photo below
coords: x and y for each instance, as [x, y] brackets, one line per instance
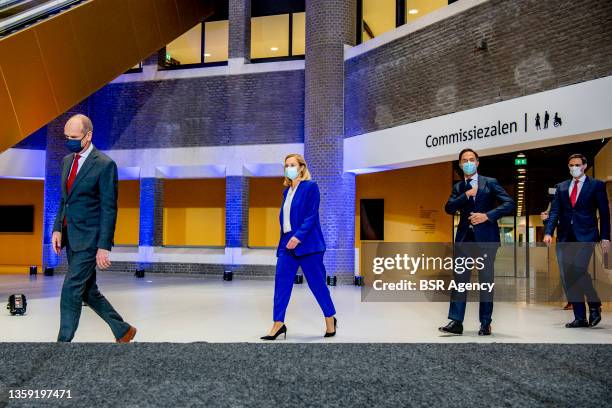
[568, 114]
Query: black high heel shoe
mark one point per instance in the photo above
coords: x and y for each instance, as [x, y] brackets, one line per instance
[280, 331]
[332, 334]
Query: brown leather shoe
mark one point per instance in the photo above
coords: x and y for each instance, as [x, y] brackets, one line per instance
[128, 336]
[568, 306]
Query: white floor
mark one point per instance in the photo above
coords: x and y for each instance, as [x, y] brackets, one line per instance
[191, 309]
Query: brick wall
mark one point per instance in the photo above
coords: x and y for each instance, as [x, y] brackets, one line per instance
[36, 141]
[209, 111]
[329, 25]
[151, 223]
[240, 271]
[53, 176]
[236, 212]
[533, 46]
[240, 29]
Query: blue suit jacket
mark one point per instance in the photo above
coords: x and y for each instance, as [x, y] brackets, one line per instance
[489, 193]
[582, 218]
[304, 218]
[90, 207]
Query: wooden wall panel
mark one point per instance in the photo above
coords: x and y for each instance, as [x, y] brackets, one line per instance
[53, 65]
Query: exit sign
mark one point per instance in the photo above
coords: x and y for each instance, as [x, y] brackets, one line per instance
[520, 161]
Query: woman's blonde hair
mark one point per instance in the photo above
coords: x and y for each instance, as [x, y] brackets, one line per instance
[304, 174]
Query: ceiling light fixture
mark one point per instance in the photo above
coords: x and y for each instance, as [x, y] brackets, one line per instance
[413, 11]
[273, 48]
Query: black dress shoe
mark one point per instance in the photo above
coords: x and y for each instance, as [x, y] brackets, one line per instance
[453, 327]
[577, 323]
[485, 330]
[594, 316]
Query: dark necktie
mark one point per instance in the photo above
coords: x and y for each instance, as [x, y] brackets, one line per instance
[468, 186]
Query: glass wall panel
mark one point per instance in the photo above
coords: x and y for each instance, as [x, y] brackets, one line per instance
[299, 34]
[416, 9]
[216, 38]
[378, 18]
[270, 36]
[186, 49]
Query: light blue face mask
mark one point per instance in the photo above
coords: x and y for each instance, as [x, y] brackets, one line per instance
[291, 172]
[469, 168]
[576, 171]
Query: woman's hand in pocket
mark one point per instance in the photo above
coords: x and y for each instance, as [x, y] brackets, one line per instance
[293, 242]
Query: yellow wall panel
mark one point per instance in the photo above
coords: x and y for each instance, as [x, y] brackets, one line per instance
[603, 163]
[265, 198]
[194, 212]
[413, 197]
[128, 214]
[19, 251]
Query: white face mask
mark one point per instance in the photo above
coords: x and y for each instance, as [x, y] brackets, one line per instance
[576, 171]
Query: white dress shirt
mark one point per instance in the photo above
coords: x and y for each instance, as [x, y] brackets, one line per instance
[287, 209]
[82, 158]
[580, 184]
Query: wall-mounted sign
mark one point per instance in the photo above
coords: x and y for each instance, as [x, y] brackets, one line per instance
[563, 115]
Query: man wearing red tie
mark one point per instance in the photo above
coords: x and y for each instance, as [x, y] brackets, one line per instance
[574, 213]
[85, 225]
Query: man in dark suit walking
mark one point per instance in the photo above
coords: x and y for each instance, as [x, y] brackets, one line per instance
[476, 199]
[85, 225]
[574, 214]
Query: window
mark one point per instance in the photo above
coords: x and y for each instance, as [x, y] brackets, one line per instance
[298, 36]
[205, 43]
[376, 17]
[270, 36]
[186, 49]
[278, 36]
[216, 38]
[416, 9]
[135, 69]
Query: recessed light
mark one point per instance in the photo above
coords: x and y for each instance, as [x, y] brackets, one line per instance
[413, 11]
[207, 55]
[273, 48]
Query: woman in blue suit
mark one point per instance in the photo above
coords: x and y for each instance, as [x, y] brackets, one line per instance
[301, 245]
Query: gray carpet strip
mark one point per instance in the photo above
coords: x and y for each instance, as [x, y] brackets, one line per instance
[304, 375]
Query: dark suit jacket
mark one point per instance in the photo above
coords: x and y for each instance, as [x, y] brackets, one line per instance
[304, 219]
[489, 193]
[91, 206]
[582, 218]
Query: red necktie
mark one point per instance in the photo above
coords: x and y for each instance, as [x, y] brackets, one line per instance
[72, 176]
[73, 173]
[574, 193]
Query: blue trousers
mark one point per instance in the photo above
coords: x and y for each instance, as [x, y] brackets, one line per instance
[314, 271]
[80, 285]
